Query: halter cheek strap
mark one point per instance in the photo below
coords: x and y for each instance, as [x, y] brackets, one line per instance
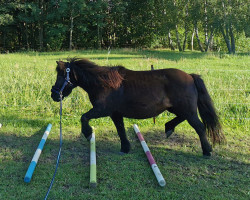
[66, 81]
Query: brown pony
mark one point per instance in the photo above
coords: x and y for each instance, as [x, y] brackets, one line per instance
[119, 92]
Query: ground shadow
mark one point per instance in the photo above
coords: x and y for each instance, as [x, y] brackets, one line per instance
[172, 55]
[75, 162]
[13, 119]
[149, 53]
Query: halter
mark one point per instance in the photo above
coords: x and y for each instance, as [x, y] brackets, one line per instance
[66, 82]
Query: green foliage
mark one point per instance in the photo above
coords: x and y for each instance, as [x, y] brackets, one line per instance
[242, 43]
[54, 25]
[6, 19]
[55, 36]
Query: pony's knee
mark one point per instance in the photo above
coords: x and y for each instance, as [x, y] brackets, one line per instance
[86, 128]
[84, 119]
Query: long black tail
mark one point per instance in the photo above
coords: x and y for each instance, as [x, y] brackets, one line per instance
[207, 111]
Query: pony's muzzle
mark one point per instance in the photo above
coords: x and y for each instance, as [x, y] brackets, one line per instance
[55, 95]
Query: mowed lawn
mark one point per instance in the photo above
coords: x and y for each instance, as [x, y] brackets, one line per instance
[26, 109]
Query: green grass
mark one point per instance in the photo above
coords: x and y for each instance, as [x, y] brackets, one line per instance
[26, 109]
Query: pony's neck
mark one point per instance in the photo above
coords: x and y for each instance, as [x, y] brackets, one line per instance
[96, 77]
[87, 81]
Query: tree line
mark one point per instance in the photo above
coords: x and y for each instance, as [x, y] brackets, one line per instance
[46, 25]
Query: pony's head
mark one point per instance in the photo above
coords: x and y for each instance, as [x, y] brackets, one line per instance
[65, 81]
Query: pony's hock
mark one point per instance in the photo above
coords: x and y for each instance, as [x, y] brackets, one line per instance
[119, 92]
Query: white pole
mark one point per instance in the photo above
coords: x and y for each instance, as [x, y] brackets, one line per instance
[151, 160]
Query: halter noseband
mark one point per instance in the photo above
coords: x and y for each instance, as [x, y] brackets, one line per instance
[66, 82]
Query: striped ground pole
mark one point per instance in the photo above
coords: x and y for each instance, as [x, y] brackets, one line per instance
[93, 181]
[37, 154]
[151, 160]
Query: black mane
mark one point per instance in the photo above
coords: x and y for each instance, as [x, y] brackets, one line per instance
[83, 63]
[110, 77]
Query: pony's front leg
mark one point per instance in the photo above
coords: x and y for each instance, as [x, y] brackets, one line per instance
[91, 114]
[119, 124]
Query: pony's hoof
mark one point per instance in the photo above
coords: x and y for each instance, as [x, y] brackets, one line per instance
[168, 133]
[206, 154]
[122, 153]
[89, 138]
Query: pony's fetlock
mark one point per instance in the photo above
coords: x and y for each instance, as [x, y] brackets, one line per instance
[89, 137]
[206, 154]
[207, 151]
[169, 133]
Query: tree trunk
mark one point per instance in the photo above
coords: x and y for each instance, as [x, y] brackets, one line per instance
[41, 6]
[198, 39]
[99, 34]
[186, 26]
[98, 37]
[192, 41]
[206, 22]
[19, 36]
[41, 37]
[209, 40]
[185, 38]
[226, 38]
[178, 39]
[4, 40]
[27, 37]
[225, 24]
[170, 41]
[232, 39]
[71, 32]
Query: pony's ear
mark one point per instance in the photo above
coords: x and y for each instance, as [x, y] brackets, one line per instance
[61, 65]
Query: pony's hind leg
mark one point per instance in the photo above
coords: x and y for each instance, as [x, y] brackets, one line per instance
[169, 126]
[200, 129]
[119, 124]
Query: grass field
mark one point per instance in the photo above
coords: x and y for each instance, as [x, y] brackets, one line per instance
[26, 109]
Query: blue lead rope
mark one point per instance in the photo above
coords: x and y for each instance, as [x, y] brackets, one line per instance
[60, 148]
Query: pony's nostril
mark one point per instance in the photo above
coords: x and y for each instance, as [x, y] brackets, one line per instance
[55, 89]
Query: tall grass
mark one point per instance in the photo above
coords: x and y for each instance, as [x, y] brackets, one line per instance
[27, 79]
[26, 108]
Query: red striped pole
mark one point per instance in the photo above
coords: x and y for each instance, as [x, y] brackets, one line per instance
[151, 159]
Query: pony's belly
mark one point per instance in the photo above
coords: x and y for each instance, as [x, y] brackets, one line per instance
[142, 113]
[144, 105]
